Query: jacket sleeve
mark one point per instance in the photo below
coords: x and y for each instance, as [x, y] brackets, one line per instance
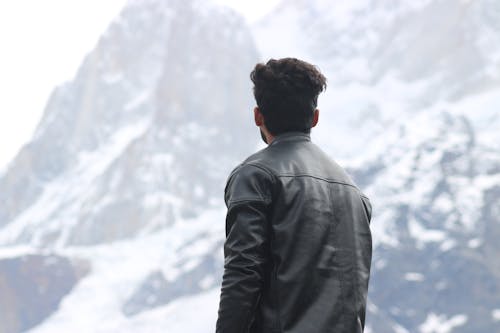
[246, 249]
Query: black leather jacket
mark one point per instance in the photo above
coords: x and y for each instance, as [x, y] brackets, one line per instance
[298, 246]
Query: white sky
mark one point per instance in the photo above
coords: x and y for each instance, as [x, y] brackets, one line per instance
[42, 45]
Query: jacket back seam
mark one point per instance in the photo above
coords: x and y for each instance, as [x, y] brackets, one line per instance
[319, 178]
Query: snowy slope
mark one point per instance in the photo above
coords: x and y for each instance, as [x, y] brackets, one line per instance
[96, 303]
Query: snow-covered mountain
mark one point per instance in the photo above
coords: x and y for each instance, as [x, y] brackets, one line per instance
[386, 60]
[437, 194]
[126, 147]
[120, 189]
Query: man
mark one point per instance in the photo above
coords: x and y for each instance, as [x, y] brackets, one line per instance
[298, 246]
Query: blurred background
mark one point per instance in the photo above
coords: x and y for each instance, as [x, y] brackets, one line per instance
[120, 121]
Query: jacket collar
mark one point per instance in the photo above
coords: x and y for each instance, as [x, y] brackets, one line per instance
[291, 136]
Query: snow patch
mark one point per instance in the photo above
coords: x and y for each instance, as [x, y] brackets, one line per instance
[206, 282]
[474, 243]
[447, 245]
[423, 235]
[384, 230]
[414, 276]
[16, 251]
[137, 101]
[495, 314]
[399, 329]
[441, 324]
[112, 78]
[444, 203]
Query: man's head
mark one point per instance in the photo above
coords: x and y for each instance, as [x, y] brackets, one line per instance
[286, 92]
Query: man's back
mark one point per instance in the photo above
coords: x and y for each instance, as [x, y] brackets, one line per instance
[298, 248]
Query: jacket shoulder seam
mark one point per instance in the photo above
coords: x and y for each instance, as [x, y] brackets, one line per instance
[262, 198]
[249, 199]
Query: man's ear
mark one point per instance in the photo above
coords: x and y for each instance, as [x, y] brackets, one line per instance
[315, 118]
[258, 117]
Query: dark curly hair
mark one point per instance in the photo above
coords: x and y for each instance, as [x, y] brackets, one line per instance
[286, 92]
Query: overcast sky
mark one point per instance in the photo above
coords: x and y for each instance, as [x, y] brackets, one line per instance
[43, 43]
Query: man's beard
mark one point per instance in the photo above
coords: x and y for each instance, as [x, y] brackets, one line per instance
[263, 136]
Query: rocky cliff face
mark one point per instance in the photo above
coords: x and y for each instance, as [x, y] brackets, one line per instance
[32, 287]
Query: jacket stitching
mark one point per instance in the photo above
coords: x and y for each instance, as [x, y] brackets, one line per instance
[320, 178]
[248, 199]
[273, 175]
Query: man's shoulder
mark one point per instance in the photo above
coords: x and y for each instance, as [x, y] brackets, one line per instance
[305, 159]
[258, 160]
[249, 181]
